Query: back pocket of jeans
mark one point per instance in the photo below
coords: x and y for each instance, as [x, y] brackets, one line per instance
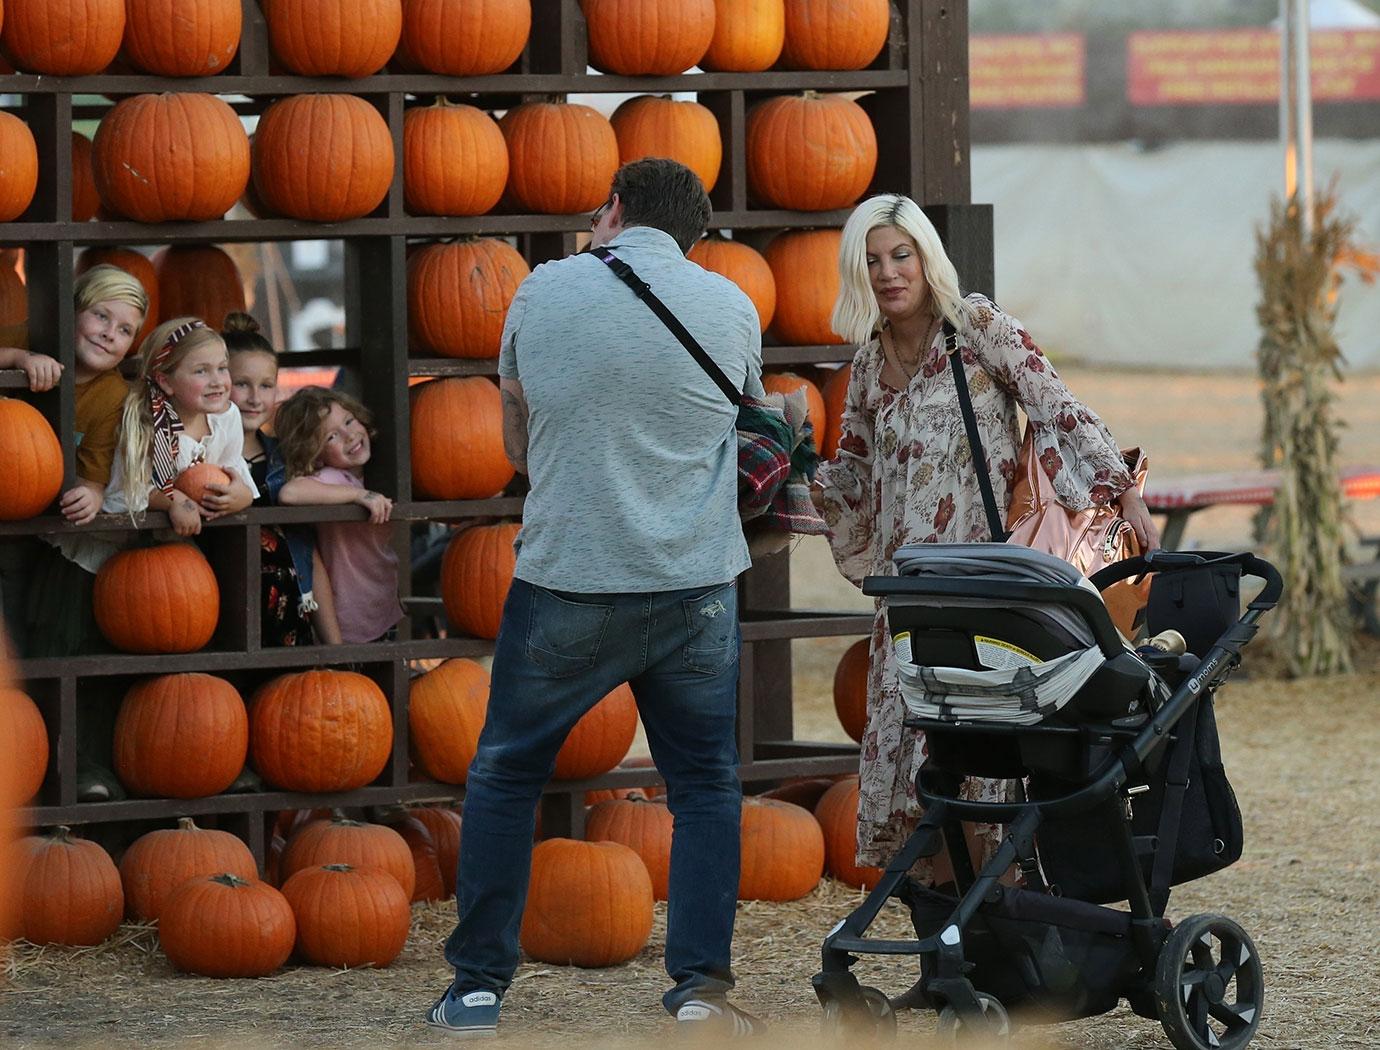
[563, 636]
[711, 627]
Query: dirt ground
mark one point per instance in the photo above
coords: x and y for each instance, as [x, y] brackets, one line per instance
[1301, 755]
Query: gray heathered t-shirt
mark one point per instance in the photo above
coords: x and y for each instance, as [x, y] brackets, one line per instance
[632, 453]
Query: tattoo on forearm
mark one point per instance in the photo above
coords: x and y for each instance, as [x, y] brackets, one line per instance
[515, 430]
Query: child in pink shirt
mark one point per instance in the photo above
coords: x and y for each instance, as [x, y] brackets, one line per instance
[324, 439]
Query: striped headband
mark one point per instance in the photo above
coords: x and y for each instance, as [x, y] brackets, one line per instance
[166, 424]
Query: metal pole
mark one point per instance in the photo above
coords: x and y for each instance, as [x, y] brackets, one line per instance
[1296, 108]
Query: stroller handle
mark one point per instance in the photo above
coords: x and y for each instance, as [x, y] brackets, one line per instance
[1173, 561]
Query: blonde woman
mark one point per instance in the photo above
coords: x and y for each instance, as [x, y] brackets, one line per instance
[903, 472]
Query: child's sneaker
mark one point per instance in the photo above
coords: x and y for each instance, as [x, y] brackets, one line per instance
[717, 1017]
[474, 1013]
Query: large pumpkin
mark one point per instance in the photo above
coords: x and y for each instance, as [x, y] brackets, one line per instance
[455, 161]
[465, 38]
[850, 688]
[139, 266]
[834, 34]
[225, 926]
[197, 280]
[18, 167]
[158, 862]
[744, 266]
[164, 720]
[33, 460]
[333, 38]
[86, 201]
[320, 731]
[601, 738]
[63, 38]
[159, 158]
[66, 890]
[458, 295]
[348, 916]
[341, 841]
[430, 885]
[782, 851]
[805, 264]
[648, 37]
[476, 572]
[561, 156]
[835, 397]
[789, 383]
[26, 747]
[445, 712]
[614, 893]
[345, 174]
[748, 35]
[809, 152]
[457, 439]
[160, 599]
[444, 826]
[651, 126]
[14, 307]
[837, 813]
[642, 826]
[182, 38]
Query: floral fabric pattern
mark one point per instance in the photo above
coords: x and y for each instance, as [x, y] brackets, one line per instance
[904, 473]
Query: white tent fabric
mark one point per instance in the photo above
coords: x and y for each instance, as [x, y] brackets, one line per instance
[1118, 255]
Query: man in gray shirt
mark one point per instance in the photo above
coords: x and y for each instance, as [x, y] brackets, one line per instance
[626, 569]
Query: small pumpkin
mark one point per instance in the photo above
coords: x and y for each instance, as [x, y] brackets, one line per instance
[25, 753]
[86, 201]
[850, 688]
[614, 892]
[458, 295]
[63, 38]
[182, 38]
[430, 885]
[444, 825]
[192, 482]
[445, 712]
[457, 439]
[14, 305]
[33, 461]
[464, 38]
[455, 161]
[601, 738]
[333, 38]
[744, 266]
[561, 157]
[197, 280]
[782, 851]
[642, 826]
[166, 719]
[648, 37]
[348, 916]
[158, 862]
[809, 152]
[18, 167]
[67, 890]
[789, 383]
[476, 572]
[837, 813]
[652, 126]
[805, 265]
[161, 599]
[835, 393]
[834, 34]
[225, 926]
[748, 35]
[139, 266]
[341, 841]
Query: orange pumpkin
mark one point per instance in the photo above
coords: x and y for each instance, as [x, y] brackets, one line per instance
[26, 743]
[744, 266]
[85, 200]
[642, 826]
[139, 266]
[651, 126]
[834, 34]
[163, 720]
[748, 35]
[429, 885]
[782, 851]
[809, 153]
[457, 439]
[476, 572]
[614, 918]
[192, 482]
[66, 890]
[464, 38]
[182, 38]
[455, 161]
[157, 863]
[197, 280]
[444, 826]
[18, 167]
[445, 712]
[224, 926]
[320, 731]
[850, 688]
[648, 37]
[158, 158]
[837, 813]
[789, 383]
[805, 265]
[348, 916]
[14, 308]
[333, 38]
[33, 457]
[561, 157]
[346, 173]
[63, 38]
[458, 295]
[601, 738]
[341, 841]
[160, 599]
[835, 396]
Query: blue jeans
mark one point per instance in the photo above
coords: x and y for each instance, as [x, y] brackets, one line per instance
[557, 655]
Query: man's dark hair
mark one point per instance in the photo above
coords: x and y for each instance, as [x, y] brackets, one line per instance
[664, 194]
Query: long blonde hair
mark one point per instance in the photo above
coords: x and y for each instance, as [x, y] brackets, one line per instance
[856, 316]
[109, 284]
[136, 418]
[297, 426]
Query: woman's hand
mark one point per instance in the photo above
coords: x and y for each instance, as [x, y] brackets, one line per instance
[185, 516]
[81, 503]
[379, 506]
[43, 371]
[1137, 514]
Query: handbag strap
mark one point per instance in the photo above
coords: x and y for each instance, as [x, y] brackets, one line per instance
[625, 273]
[989, 499]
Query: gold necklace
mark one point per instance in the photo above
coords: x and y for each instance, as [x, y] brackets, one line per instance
[909, 369]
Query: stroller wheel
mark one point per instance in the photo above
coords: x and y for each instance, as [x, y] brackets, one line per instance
[869, 1016]
[1209, 987]
[994, 1025]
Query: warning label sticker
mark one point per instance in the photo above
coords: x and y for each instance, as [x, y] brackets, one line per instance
[1002, 656]
[902, 644]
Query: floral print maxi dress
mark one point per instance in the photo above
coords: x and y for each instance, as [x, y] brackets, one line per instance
[903, 474]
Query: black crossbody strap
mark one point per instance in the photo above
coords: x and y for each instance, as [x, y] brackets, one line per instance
[989, 499]
[625, 273]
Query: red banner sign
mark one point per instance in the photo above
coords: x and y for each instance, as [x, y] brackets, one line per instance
[1026, 71]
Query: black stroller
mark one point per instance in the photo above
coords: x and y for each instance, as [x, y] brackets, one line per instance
[1010, 664]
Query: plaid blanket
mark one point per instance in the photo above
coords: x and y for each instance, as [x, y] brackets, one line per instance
[776, 463]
